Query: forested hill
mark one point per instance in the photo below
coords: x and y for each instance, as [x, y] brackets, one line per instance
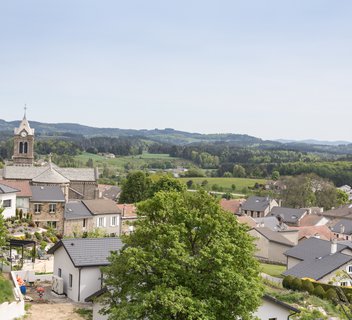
[161, 135]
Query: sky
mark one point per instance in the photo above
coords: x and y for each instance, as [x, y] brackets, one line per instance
[271, 69]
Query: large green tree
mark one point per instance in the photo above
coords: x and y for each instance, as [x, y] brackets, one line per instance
[3, 230]
[135, 188]
[187, 259]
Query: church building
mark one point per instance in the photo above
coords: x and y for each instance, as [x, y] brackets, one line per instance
[75, 183]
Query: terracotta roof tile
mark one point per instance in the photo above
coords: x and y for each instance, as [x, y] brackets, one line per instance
[23, 186]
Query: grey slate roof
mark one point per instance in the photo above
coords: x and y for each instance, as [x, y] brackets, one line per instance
[29, 173]
[343, 226]
[279, 302]
[6, 189]
[274, 236]
[289, 215]
[76, 210]
[312, 248]
[50, 175]
[340, 212]
[47, 194]
[85, 252]
[319, 267]
[255, 203]
[270, 222]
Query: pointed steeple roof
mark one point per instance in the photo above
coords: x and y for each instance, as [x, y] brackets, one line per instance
[24, 126]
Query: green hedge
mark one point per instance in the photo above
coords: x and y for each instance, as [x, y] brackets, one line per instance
[321, 290]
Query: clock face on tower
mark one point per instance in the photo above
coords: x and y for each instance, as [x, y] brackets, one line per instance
[23, 134]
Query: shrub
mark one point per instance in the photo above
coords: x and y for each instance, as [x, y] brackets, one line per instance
[287, 282]
[332, 295]
[319, 292]
[43, 244]
[38, 235]
[296, 284]
[307, 286]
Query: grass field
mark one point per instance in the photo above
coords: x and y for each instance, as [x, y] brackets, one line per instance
[226, 183]
[272, 269]
[5, 290]
[131, 162]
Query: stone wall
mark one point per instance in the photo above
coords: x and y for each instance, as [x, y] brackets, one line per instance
[72, 227]
[45, 216]
[85, 189]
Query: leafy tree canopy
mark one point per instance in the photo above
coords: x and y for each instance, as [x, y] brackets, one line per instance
[187, 259]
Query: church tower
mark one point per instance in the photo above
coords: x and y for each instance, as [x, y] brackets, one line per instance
[23, 153]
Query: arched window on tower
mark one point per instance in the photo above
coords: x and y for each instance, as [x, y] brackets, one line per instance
[21, 147]
[25, 147]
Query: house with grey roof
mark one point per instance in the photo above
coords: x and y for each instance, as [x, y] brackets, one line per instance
[321, 260]
[271, 245]
[83, 216]
[342, 228]
[8, 200]
[257, 207]
[47, 207]
[289, 216]
[78, 261]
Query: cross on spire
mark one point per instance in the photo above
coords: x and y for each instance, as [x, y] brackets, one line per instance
[25, 110]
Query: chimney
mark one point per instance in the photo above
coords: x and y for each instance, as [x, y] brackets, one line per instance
[333, 246]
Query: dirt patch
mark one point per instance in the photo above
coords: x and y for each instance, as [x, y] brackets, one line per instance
[53, 311]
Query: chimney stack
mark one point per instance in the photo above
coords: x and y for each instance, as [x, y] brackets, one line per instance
[333, 246]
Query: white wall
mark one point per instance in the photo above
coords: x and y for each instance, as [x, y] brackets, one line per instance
[90, 282]
[22, 203]
[9, 211]
[291, 262]
[63, 261]
[270, 309]
[107, 227]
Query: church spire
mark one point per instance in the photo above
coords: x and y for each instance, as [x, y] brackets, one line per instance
[25, 112]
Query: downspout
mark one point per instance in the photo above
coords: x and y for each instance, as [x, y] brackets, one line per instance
[292, 314]
[79, 284]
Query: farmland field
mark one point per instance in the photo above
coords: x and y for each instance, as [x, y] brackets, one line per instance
[138, 162]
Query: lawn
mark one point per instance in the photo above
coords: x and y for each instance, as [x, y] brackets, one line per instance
[227, 183]
[273, 270]
[6, 293]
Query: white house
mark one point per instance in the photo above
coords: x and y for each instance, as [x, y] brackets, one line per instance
[274, 309]
[78, 263]
[8, 200]
[97, 305]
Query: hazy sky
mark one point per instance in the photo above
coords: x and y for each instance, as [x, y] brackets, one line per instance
[272, 69]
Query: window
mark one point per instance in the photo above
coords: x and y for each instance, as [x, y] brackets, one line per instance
[25, 147]
[101, 222]
[59, 272]
[52, 207]
[20, 147]
[114, 221]
[84, 223]
[37, 208]
[70, 280]
[349, 269]
[51, 224]
[272, 318]
[343, 283]
[6, 203]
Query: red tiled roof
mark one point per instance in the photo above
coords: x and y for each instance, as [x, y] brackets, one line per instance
[306, 232]
[310, 220]
[232, 205]
[128, 210]
[23, 186]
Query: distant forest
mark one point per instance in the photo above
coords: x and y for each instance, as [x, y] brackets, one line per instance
[216, 155]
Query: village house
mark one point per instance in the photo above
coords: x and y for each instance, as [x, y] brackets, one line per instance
[8, 200]
[128, 217]
[47, 206]
[257, 207]
[321, 260]
[78, 263]
[232, 205]
[289, 216]
[78, 219]
[23, 194]
[341, 228]
[271, 245]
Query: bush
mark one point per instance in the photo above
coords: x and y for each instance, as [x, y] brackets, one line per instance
[296, 284]
[43, 244]
[332, 295]
[287, 282]
[319, 292]
[38, 235]
[307, 286]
